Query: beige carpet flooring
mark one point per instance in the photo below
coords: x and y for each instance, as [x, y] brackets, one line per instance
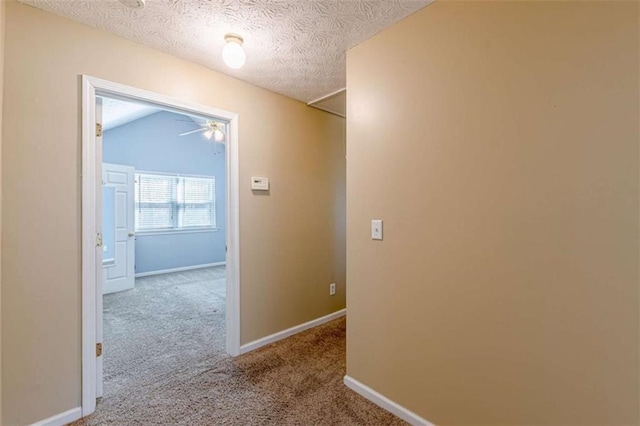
[165, 364]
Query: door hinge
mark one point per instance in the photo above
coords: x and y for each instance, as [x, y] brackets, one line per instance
[98, 129]
[99, 239]
[98, 349]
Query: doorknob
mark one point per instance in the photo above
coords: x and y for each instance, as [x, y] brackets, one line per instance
[131, 234]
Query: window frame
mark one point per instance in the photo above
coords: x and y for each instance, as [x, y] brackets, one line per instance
[175, 208]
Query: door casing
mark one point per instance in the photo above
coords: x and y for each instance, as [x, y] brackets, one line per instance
[91, 218]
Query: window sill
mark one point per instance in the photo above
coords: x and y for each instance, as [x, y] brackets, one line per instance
[175, 231]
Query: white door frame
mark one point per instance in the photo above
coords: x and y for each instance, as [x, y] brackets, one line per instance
[91, 182]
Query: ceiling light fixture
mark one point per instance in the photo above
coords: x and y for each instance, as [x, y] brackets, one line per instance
[218, 135]
[232, 52]
[209, 129]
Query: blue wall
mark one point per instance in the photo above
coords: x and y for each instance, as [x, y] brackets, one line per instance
[153, 144]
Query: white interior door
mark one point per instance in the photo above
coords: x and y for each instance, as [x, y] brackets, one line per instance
[118, 273]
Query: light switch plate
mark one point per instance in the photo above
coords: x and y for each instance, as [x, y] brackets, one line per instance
[376, 229]
[260, 184]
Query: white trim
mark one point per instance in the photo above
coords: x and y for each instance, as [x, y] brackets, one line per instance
[152, 172]
[233, 239]
[180, 269]
[62, 418]
[175, 231]
[384, 402]
[248, 347]
[89, 230]
[325, 109]
[322, 98]
[91, 177]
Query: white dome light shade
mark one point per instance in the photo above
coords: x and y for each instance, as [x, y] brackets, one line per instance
[214, 130]
[218, 135]
[232, 52]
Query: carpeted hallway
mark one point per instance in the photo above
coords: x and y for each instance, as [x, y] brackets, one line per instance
[165, 364]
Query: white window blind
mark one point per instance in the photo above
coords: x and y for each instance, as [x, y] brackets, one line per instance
[173, 202]
[196, 202]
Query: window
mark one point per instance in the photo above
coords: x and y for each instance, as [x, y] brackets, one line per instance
[166, 202]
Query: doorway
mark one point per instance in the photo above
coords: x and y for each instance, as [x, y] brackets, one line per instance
[185, 207]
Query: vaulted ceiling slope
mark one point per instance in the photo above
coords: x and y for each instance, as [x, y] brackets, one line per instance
[116, 112]
[294, 47]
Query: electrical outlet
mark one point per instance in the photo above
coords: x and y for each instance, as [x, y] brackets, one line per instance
[332, 289]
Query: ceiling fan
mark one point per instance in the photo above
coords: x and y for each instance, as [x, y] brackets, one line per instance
[210, 129]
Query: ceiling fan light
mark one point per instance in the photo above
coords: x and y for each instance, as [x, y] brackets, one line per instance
[218, 135]
[208, 134]
[232, 52]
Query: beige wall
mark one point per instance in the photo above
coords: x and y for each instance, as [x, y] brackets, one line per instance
[288, 238]
[499, 142]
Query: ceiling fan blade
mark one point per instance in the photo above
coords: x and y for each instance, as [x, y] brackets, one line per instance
[192, 119]
[193, 131]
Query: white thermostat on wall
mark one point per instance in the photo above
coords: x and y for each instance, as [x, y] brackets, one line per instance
[260, 184]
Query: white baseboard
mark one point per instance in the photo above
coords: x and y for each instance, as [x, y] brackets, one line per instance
[290, 332]
[181, 269]
[62, 418]
[384, 402]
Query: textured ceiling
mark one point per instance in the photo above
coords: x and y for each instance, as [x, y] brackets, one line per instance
[116, 112]
[294, 47]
